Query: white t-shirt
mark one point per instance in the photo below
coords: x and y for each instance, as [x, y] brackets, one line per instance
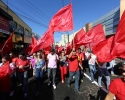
[92, 59]
[87, 55]
[52, 60]
[103, 66]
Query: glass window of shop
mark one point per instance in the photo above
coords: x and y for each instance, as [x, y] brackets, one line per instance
[13, 25]
[21, 29]
[26, 32]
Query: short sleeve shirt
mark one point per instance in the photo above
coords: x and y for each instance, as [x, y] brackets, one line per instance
[80, 57]
[87, 55]
[92, 60]
[52, 63]
[73, 64]
[117, 87]
[23, 63]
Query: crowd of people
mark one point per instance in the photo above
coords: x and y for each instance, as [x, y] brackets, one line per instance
[71, 65]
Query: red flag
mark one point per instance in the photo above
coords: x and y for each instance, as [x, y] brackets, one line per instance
[78, 36]
[84, 40]
[102, 50]
[4, 77]
[7, 46]
[47, 50]
[69, 48]
[46, 40]
[96, 34]
[119, 39]
[33, 42]
[60, 49]
[63, 19]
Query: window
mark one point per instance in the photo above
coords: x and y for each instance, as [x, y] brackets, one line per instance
[110, 28]
[26, 32]
[21, 29]
[13, 25]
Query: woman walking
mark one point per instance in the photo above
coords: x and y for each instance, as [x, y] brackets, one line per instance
[63, 65]
[39, 70]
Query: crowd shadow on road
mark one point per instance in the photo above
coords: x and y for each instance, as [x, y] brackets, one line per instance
[67, 98]
[100, 95]
[45, 94]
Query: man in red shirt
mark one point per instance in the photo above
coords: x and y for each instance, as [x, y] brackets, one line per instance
[74, 69]
[117, 87]
[22, 65]
[80, 59]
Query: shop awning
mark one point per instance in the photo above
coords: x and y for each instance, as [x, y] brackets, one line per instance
[5, 14]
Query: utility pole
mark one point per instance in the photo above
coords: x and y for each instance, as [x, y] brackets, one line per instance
[67, 37]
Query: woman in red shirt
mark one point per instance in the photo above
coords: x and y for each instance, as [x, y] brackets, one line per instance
[117, 87]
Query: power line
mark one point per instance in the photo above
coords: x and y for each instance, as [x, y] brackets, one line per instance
[20, 10]
[62, 3]
[38, 10]
[29, 5]
[29, 9]
[32, 20]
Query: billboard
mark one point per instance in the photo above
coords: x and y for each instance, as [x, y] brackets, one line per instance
[4, 25]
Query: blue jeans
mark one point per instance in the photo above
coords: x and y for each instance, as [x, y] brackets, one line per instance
[53, 71]
[77, 76]
[111, 66]
[107, 80]
[92, 71]
[23, 78]
[103, 72]
[39, 76]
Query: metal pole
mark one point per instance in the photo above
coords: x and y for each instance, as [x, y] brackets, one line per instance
[73, 37]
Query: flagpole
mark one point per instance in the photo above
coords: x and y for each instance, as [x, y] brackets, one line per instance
[71, 1]
[73, 37]
[90, 47]
[5, 44]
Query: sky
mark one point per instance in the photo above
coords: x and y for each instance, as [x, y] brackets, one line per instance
[38, 13]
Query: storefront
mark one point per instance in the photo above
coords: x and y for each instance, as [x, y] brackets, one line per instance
[4, 25]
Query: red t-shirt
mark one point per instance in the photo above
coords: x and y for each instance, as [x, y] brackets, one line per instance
[80, 57]
[117, 87]
[23, 63]
[15, 59]
[73, 64]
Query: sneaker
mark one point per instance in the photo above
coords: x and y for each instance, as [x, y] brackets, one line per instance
[93, 82]
[100, 86]
[11, 93]
[49, 83]
[37, 93]
[68, 86]
[73, 77]
[77, 91]
[25, 95]
[114, 75]
[62, 81]
[54, 86]
[82, 80]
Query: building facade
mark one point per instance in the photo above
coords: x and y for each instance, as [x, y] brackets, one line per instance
[22, 32]
[65, 38]
[109, 21]
[36, 35]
